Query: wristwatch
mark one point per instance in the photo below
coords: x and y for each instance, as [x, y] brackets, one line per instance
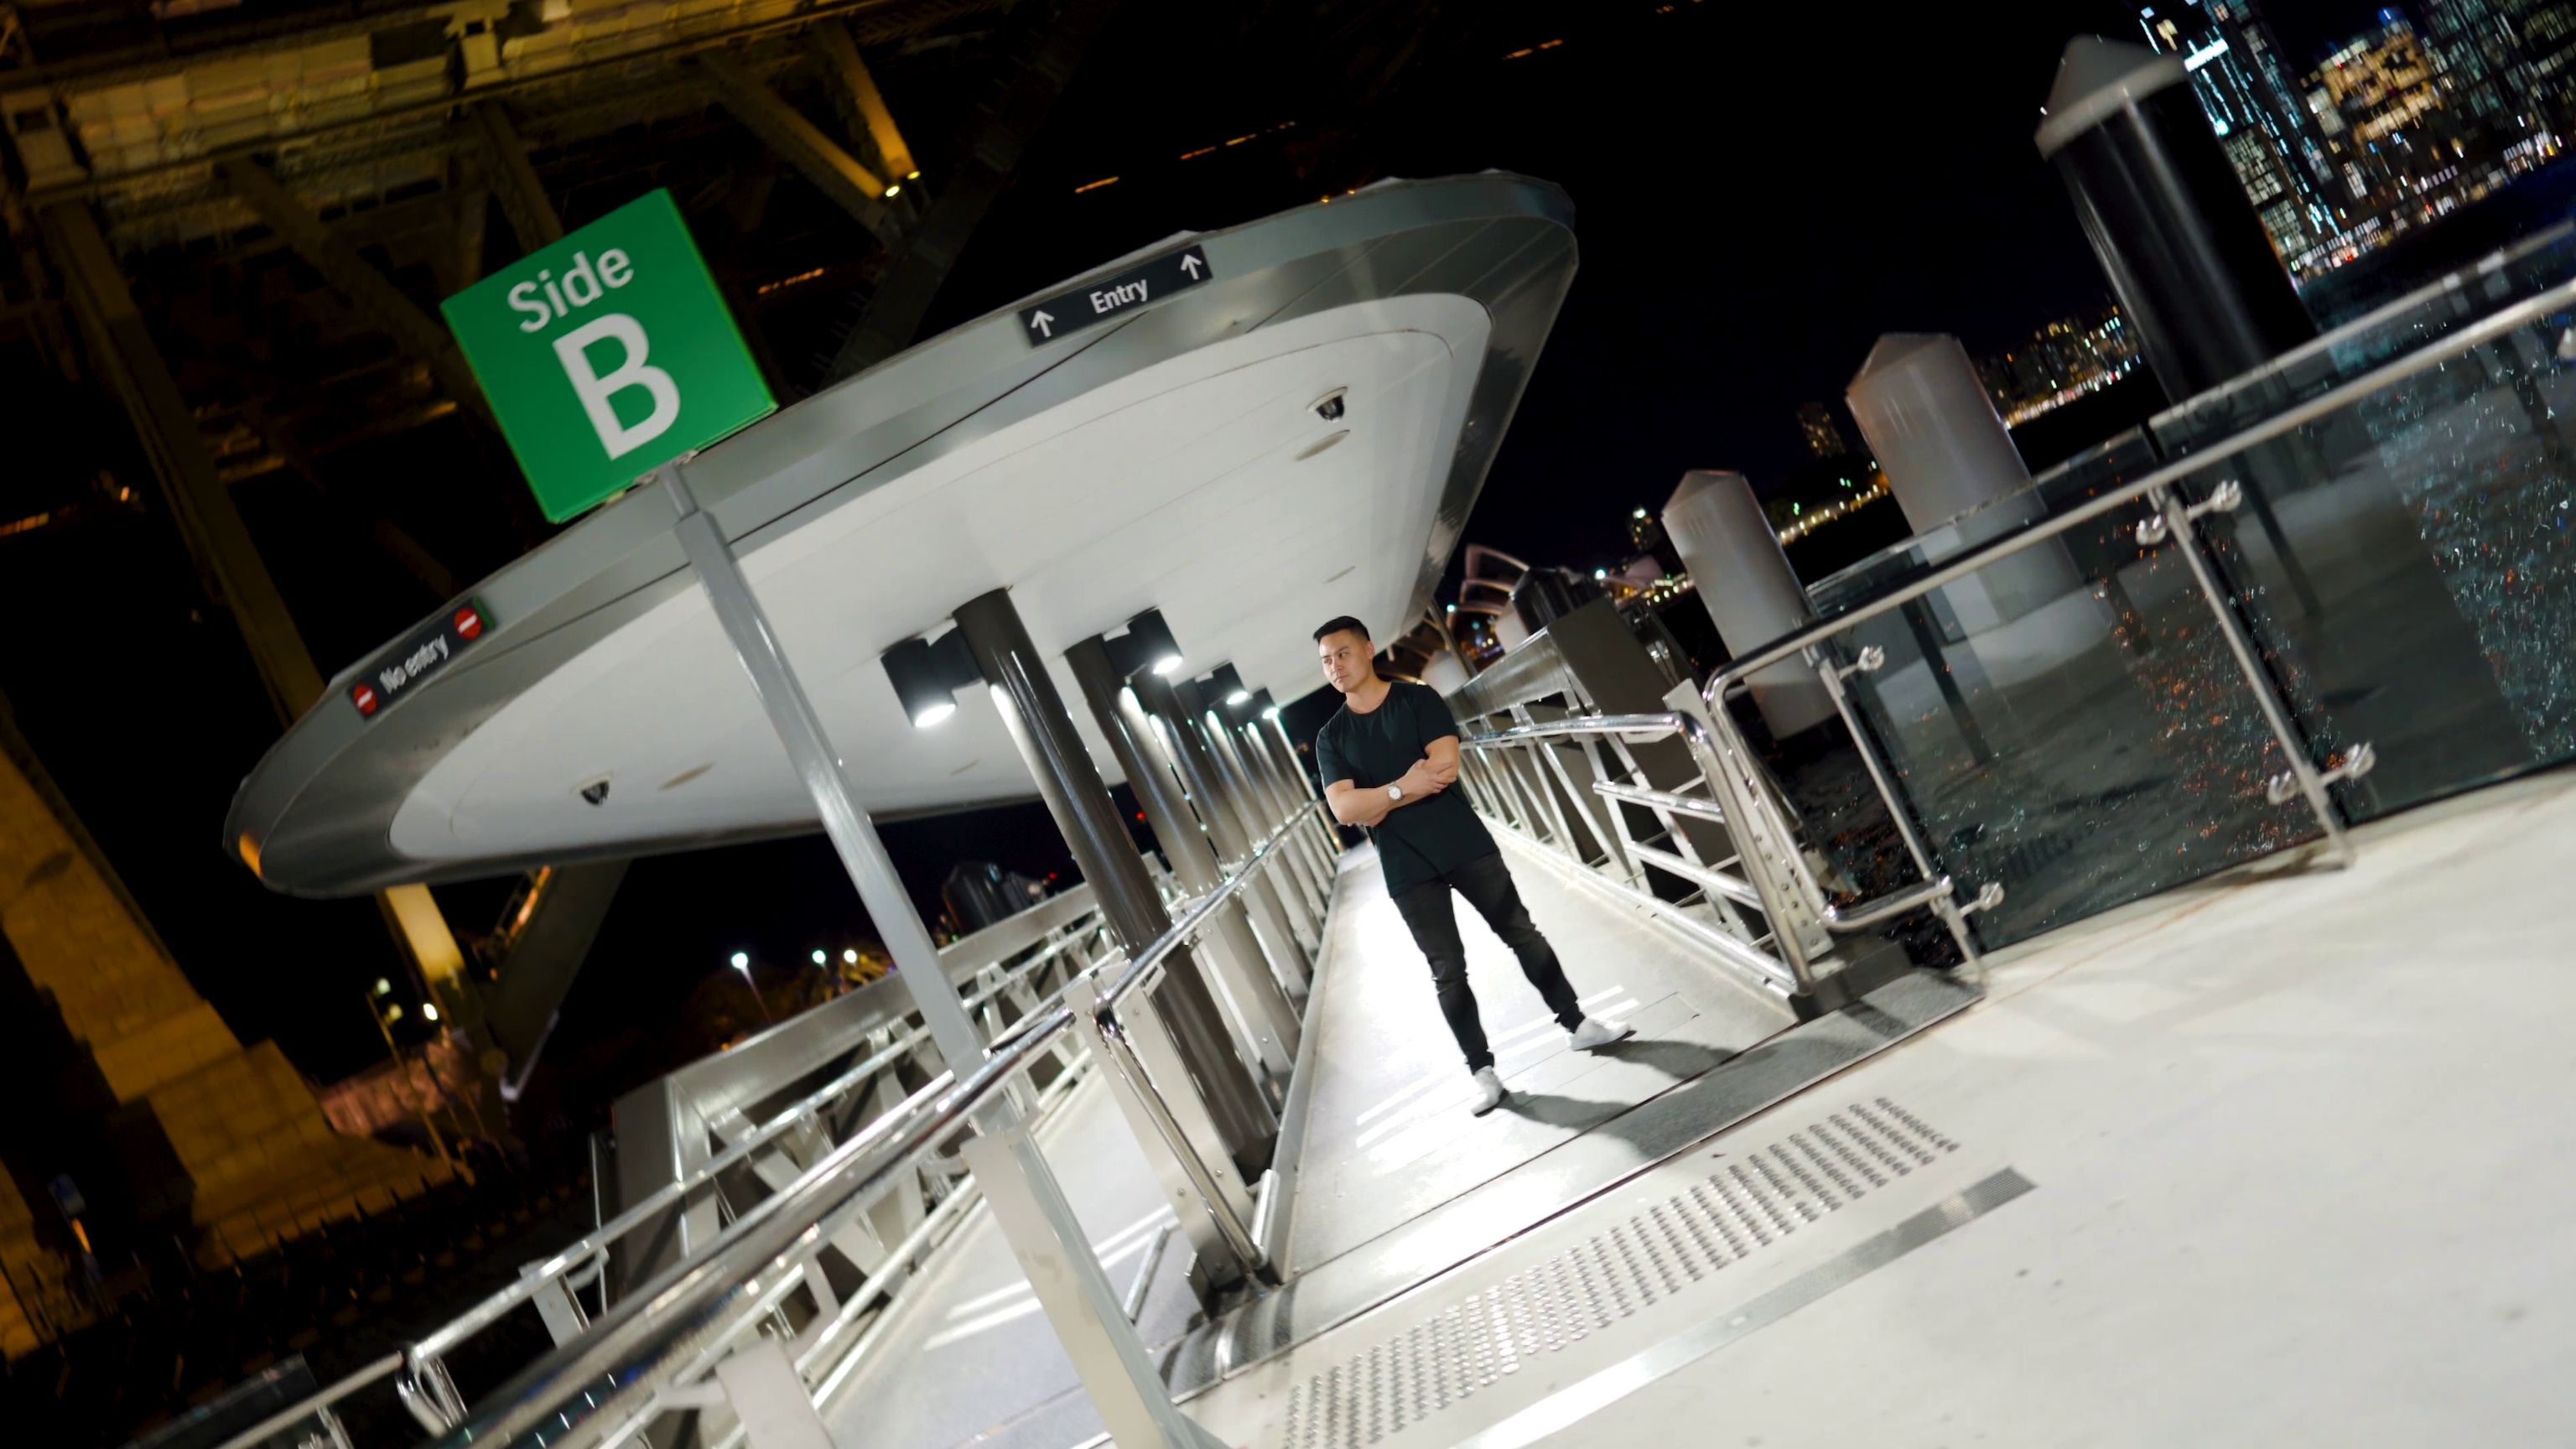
[1395, 792]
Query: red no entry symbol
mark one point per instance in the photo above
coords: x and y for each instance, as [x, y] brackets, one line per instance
[469, 624]
[364, 697]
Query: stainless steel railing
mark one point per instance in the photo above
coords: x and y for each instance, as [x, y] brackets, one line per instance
[1771, 874]
[650, 1352]
[671, 1324]
[1229, 1224]
[2176, 520]
[550, 1283]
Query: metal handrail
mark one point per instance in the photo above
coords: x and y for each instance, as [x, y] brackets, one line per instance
[1792, 973]
[1229, 1224]
[1937, 892]
[534, 1277]
[538, 1274]
[1659, 800]
[678, 1322]
[687, 1312]
[343, 1388]
[2003, 546]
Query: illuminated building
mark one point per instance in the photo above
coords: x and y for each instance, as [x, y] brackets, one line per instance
[1646, 532]
[2418, 129]
[2261, 118]
[2062, 361]
[2485, 72]
[1824, 439]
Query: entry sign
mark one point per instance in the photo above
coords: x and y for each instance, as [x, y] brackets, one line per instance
[607, 355]
[1136, 287]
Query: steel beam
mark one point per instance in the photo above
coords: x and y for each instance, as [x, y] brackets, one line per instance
[1096, 833]
[473, 224]
[514, 180]
[413, 330]
[1042, 47]
[850, 185]
[229, 567]
[859, 89]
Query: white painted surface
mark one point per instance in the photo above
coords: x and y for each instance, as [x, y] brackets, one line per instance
[2300, 1146]
[1180, 487]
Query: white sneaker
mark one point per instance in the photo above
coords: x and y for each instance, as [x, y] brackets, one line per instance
[1592, 1034]
[1489, 1091]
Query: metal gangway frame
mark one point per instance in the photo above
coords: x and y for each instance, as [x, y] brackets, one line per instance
[1553, 756]
[1584, 727]
[829, 1187]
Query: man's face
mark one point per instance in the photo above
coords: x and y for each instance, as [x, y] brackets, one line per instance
[1346, 659]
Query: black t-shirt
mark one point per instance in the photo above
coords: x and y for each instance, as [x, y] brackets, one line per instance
[1422, 840]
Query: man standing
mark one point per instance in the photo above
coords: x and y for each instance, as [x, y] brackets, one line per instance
[1388, 758]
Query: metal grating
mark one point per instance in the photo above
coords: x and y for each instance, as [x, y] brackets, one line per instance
[1751, 1202]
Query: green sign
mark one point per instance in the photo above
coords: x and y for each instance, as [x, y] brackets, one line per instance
[607, 355]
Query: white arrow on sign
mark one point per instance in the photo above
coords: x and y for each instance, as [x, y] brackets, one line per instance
[1044, 323]
[1191, 265]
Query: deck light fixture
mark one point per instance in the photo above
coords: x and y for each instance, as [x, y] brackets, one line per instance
[1226, 683]
[927, 676]
[1147, 644]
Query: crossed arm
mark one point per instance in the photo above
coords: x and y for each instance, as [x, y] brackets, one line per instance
[1436, 771]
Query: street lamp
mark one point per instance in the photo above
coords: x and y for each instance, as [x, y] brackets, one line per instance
[385, 1014]
[742, 963]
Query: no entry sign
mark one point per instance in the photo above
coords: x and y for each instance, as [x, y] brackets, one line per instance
[420, 655]
[607, 355]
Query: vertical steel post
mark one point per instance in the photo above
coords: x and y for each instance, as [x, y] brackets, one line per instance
[1239, 787]
[1035, 1218]
[1268, 1015]
[2294, 748]
[1289, 784]
[1271, 790]
[1199, 772]
[1765, 848]
[1308, 789]
[1948, 909]
[1106, 854]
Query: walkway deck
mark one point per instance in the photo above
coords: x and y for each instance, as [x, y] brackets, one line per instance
[1397, 1181]
[2268, 1160]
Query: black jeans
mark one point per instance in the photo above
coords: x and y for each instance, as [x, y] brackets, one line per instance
[1488, 887]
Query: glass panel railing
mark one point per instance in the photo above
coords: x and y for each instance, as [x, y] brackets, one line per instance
[2080, 478]
[2067, 722]
[2087, 712]
[2409, 565]
[2418, 320]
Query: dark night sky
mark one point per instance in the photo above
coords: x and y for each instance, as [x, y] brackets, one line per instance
[1760, 191]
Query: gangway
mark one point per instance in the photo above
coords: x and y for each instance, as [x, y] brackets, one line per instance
[864, 1225]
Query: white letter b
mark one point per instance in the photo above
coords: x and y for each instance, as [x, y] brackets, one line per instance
[595, 390]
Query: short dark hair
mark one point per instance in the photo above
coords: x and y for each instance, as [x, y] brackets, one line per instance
[1341, 625]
